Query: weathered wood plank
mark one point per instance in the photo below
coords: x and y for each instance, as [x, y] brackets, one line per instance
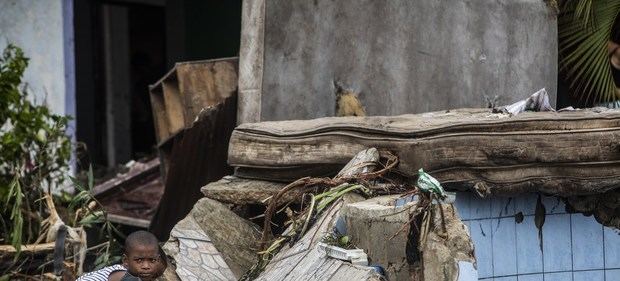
[205, 83]
[449, 121]
[324, 271]
[188, 88]
[142, 223]
[363, 162]
[27, 249]
[347, 271]
[135, 174]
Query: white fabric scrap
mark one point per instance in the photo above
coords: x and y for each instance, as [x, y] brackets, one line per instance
[538, 101]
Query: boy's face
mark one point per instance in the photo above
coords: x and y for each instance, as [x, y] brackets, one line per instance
[143, 261]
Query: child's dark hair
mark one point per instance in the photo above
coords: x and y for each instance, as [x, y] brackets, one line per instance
[140, 237]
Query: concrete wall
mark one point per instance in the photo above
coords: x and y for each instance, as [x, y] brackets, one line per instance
[574, 247]
[39, 29]
[403, 56]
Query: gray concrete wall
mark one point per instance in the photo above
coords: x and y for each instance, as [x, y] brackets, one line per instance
[403, 56]
[37, 27]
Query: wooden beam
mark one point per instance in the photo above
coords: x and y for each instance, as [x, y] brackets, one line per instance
[136, 172]
[129, 221]
[9, 250]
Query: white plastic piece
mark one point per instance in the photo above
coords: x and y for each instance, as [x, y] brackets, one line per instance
[450, 198]
[467, 271]
[355, 256]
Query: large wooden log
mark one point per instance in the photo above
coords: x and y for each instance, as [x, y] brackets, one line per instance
[567, 153]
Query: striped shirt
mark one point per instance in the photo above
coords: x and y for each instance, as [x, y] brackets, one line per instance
[101, 274]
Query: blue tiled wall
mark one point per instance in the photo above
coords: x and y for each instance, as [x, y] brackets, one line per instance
[574, 247]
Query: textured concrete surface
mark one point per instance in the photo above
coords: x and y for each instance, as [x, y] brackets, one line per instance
[376, 225]
[372, 225]
[37, 27]
[194, 254]
[212, 243]
[403, 56]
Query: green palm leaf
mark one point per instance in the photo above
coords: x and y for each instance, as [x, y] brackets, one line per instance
[585, 27]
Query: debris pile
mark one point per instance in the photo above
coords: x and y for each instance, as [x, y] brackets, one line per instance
[321, 237]
[349, 198]
[131, 198]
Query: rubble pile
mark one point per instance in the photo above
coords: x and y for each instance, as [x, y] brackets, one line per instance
[346, 198]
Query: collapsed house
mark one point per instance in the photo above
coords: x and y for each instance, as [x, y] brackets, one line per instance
[486, 154]
[530, 196]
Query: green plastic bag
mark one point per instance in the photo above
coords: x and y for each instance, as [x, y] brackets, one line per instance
[429, 184]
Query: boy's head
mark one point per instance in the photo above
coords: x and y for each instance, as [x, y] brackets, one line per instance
[142, 256]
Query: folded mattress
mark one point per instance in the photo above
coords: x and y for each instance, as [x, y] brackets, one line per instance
[564, 153]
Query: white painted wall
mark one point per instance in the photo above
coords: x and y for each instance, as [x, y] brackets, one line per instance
[36, 26]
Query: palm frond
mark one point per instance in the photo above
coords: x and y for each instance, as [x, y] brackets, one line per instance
[585, 27]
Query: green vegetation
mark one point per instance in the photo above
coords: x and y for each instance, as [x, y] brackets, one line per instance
[585, 27]
[34, 152]
[34, 160]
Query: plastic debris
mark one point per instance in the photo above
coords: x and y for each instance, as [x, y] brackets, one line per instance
[428, 184]
[538, 101]
[355, 256]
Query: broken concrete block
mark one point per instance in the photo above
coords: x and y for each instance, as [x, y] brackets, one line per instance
[233, 190]
[447, 249]
[194, 255]
[374, 226]
[170, 274]
[236, 238]
[212, 243]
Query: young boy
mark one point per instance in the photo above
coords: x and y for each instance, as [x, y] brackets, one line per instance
[143, 260]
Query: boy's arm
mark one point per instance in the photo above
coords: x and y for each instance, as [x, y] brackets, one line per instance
[116, 275]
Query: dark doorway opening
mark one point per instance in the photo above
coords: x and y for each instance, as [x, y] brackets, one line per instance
[120, 50]
[122, 46]
[148, 63]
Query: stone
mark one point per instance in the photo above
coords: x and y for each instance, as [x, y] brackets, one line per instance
[376, 225]
[238, 191]
[186, 239]
[236, 238]
[446, 251]
[372, 226]
[212, 243]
